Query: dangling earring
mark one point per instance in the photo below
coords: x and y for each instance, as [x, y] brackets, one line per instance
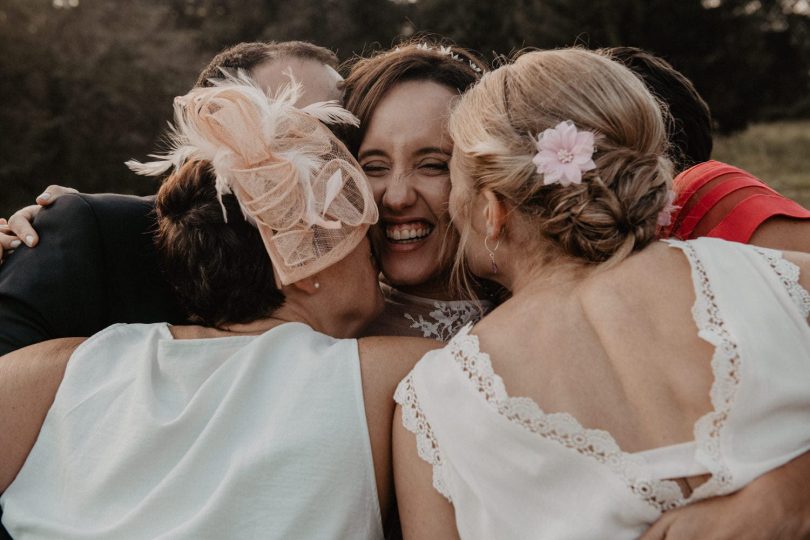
[492, 253]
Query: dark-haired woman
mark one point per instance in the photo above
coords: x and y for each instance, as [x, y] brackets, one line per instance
[266, 421]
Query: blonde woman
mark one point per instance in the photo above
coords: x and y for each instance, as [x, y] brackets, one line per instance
[625, 377]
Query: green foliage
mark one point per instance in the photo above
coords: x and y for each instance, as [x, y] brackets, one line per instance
[84, 88]
[775, 152]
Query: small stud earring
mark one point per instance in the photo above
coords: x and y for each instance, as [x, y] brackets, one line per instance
[317, 285]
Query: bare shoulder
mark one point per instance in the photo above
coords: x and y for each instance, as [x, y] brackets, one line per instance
[393, 357]
[802, 260]
[29, 379]
[782, 232]
[396, 347]
[53, 350]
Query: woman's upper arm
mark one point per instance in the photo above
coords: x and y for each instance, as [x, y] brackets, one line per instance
[423, 511]
[384, 361]
[29, 379]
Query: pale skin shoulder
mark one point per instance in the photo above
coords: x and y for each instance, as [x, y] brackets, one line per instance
[29, 379]
[784, 233]
[384, 361]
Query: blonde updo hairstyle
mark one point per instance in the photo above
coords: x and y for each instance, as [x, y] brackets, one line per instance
[614, 211]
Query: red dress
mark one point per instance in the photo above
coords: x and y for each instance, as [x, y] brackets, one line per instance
[718, 200]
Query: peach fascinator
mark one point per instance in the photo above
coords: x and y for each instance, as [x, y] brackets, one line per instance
[294, 180]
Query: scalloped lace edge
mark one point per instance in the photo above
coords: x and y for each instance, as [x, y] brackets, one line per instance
[788, 274]
[725, 366]
[560, 427]
[414, 420]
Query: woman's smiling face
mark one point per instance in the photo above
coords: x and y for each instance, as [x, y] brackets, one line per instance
[405, 154]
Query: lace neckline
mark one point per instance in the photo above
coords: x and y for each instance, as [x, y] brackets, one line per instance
[561, 427]
[600, 444]
[434, 319]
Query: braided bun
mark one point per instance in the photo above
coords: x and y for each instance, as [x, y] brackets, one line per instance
[614, 211]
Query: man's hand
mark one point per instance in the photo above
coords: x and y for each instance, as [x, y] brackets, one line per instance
[775, 506]
[8, 240]
[18, 229]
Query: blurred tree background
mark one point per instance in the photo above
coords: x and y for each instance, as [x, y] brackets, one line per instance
[87, 84]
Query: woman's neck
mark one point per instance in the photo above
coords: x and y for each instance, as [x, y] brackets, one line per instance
[435, 289]
[556, 277]
[253, 328]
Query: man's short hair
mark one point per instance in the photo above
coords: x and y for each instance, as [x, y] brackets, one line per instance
[689, 126]
[250, 54]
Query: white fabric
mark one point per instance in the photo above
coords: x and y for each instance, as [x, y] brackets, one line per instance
[417, 316]
[513, 471]
[237, 437]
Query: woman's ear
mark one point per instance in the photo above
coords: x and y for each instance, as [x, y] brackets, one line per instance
[494, 213]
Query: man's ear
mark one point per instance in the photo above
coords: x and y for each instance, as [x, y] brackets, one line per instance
[308, 285]
[494, 214]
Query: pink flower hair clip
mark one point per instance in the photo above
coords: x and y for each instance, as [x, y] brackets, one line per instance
[665, 215]
[564, 153]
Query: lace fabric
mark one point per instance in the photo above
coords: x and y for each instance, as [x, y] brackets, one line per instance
[788, 274]
[563, 428]
[410, 315]
[560, 427]
[725, 365]
[414, 420]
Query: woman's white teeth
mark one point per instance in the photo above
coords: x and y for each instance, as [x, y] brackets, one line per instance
[407, 232]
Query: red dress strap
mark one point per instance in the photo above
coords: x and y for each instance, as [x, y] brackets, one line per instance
[719, 200]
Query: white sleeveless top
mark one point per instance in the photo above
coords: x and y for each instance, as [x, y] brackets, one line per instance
[513, 471]
[236, 437]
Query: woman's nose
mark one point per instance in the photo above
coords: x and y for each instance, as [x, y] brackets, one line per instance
[399, 192]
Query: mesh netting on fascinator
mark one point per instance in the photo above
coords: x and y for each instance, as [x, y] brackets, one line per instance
[292, 177]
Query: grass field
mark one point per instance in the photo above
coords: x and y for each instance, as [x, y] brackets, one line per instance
[777, 153]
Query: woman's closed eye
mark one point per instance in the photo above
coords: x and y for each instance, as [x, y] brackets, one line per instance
[375, 168]
[433, 167]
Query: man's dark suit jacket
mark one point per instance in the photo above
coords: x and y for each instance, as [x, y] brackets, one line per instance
[95, 265]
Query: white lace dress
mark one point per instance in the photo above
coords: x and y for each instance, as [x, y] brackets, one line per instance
[546, 476]
[416, 316]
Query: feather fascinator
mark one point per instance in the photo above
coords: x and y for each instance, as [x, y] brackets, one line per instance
[293, 178]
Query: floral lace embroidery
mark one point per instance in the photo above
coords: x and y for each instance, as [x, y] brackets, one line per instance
[789, 276]
[725, 367]
[447, 319]
[560, 427]
[414, 421]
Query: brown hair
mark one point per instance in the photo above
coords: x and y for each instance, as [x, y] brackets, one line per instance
[370, 78]
[249, 55]
[614, 211]
[689, 122]
[220, 271]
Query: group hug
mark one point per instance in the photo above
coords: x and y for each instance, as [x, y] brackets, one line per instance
[429, 300]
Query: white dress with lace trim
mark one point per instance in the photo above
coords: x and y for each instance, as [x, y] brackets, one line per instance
[737, 288]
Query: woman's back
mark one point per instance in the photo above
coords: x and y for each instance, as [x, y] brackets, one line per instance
[614, 351]
[250, 436]
[576, 411]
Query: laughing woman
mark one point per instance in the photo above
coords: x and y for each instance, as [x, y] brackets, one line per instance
[403, 99]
